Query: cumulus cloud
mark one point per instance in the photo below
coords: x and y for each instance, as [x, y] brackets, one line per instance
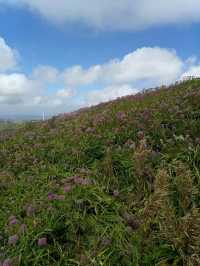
[65, 93]
[115, 15]
[76, 75]
[192, 71]
[14, 84]
[153, 64]
[8, 56]
[55, 90]
[45, 74]
[109, 93]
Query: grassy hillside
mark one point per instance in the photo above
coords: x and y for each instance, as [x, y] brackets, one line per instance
[116, 184]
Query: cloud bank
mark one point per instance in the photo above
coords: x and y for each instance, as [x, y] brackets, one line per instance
[48, 88]
[115, 15]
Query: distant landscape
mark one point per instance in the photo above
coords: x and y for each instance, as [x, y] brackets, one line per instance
[115, 184]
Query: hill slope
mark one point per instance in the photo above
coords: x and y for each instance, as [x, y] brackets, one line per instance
[116, 184]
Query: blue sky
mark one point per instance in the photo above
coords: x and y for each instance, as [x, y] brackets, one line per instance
[61, 55]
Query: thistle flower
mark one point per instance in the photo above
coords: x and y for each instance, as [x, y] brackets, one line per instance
[60, 197]
[22, 229]
[121, 116]
[51, 196]
[7, 262]
[13, 221]
[30, 210]
[81, 181]
[13, 240]
[67, 188]
[116, 193]
[12, 217]
[42, 242]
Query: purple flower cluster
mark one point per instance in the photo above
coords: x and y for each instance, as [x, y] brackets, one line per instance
[42, 242]
[121, 116]
[68, 188]
[12, 240]
[99, 120]
[12, 220]
[80, 181]
[7, 262]
[53, 196]
[30, 210]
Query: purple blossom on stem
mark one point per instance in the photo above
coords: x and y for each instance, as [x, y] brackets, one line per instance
[22, 228]
[121, 116]
[60, 197]
[30, 210]
[115, 193]
[81, 181]
[7, 262]
[12, 217]
[42, 242]
[13, 221]
[51, 196]
[67, 188]
[13, 240]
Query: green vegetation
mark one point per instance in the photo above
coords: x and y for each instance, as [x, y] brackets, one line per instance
[116, 184]
[4, 125]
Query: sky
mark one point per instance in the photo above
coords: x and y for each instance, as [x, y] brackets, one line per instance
[58, 56]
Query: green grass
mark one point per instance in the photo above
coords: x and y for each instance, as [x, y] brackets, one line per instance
[115, 184]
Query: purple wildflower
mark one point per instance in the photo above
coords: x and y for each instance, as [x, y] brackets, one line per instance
[60, 197]
[7, 262]
[67, 188]
[90, 130]
[121, 116]
[51, 196]
[12, 217]
[115, 193]
[42, 242]
[22, 229]
[81, 181]
[13, 240]
[30, 210]
[13, 221]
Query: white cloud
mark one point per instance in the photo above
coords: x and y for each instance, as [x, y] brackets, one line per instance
[76, 75]
[156, 65]
[15, 88]
[65, 93]
[115, 15]
[45, 74]
[54, 90]
[192, 71]
[8, 56]
[109, 93]
[14, 84]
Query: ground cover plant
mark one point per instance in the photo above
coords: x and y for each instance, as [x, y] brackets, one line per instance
[115, 184]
